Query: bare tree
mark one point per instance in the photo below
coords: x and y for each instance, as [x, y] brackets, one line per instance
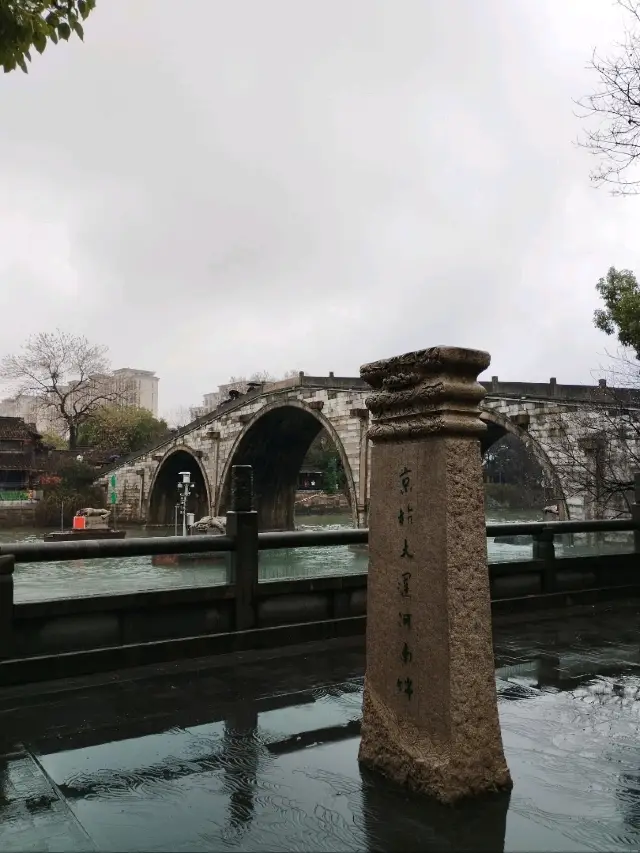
[243, 383]
[239, 384]
[180, 416]
[261, 377]
[64, 376]
[596, 446]
[614, 107]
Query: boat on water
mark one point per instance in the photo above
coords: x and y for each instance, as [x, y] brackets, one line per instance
[88, 523]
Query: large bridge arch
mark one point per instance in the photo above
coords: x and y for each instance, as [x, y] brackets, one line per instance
[275, 443]
[499, 425]
[163, 490]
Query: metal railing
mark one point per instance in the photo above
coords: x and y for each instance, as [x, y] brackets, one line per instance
[41, 552]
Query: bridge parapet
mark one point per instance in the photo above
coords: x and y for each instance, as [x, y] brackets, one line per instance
[552, 390]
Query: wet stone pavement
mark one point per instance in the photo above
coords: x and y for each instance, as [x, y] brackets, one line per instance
[259, 753]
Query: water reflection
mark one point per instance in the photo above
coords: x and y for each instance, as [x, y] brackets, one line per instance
[478, 825]
[260, 754]
[240, 759]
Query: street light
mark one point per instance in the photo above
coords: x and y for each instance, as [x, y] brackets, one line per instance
[184, 488]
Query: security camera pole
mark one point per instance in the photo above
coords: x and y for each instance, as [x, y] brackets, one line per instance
[185, 488]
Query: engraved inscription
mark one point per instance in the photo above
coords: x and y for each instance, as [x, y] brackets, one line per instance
[404, 620]
[406, 552]
[405, 481]
[404, 518]
[403, 584]
[405, 685]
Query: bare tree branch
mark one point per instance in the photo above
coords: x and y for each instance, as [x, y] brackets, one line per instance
[67, 378]
[614, 109]
[597, 446]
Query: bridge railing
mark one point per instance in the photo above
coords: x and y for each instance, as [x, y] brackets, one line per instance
[542, 533]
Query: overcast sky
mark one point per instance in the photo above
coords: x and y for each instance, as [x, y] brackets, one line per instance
[279, 184]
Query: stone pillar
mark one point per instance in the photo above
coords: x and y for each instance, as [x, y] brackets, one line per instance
[430, 715]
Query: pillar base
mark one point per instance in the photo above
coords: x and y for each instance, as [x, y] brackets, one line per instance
[447, 772]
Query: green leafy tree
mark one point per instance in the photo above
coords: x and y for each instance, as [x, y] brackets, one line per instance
[330, 475]
[52, 439]
[324, 457]
[28, 24]
[122, 430]
[621, 315]
[67, 485]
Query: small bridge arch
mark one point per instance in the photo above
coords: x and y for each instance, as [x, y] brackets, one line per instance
[163, 489]
[499, 425]
[275, 442]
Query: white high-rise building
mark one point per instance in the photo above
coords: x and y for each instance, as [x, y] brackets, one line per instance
[128, 387]
[137, 388]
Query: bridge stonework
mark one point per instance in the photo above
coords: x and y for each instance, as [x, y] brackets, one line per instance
[272, 429]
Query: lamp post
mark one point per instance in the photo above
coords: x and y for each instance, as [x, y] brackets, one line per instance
[184, 488]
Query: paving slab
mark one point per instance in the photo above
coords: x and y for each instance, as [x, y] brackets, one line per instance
[258, 752]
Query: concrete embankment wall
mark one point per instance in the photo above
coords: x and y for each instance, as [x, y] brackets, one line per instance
[319, 503]
[77, 636]
[18, 513]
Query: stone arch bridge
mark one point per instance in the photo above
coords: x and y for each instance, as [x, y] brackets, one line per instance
[271, 429]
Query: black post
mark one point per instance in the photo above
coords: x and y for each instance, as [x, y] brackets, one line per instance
[544, 550]
[543, 545]
[242, 525]
[7, 564]
[635, 510]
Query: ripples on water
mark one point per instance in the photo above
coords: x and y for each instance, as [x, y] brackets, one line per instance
[251, 788]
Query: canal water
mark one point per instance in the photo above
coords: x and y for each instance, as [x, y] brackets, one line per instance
[38, 581]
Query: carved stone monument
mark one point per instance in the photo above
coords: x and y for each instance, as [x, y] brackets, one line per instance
[430, 715]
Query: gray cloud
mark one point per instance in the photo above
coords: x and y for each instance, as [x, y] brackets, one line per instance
[314, 185]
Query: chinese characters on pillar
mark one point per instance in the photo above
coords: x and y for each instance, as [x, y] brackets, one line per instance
[405, 521]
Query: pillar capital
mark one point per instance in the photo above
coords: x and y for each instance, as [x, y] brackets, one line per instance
[428, 391]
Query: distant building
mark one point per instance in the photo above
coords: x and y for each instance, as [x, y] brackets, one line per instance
[21, 456]
[137, 388]
[310, 479]
[30, 410]
[211, 401]
[130, 388]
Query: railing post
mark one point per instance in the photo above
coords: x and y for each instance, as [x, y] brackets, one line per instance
[635, 510]
[7, 564]
[543, 545]
[242, 525]
[544, 549]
